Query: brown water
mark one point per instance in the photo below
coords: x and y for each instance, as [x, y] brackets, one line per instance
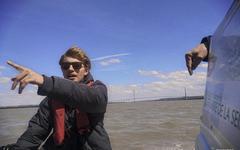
[155, 125]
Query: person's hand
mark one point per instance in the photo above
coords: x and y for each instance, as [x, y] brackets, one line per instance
[195, 56]
[25, 77]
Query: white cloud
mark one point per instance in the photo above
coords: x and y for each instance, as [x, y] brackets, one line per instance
[4, 80]
[110, 61]
[12, 98]
[2, 68]
[177, 75]
[172, 84]
[152, 73]
[203, 65]
[28, 97]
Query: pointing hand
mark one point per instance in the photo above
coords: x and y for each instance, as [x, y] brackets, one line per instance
[25, 77]
[195, 56]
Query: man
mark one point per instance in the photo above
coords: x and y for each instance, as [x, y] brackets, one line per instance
[196, 55]
[71, 116]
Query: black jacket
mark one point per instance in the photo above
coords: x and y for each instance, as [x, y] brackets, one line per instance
[92, 100]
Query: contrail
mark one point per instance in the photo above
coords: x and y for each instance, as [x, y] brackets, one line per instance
[109, 56]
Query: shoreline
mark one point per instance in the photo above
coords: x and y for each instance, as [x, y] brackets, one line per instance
[162, 99]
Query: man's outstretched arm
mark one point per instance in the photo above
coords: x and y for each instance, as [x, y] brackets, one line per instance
[198, 54]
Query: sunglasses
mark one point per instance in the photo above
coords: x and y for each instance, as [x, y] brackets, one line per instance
[75, 65]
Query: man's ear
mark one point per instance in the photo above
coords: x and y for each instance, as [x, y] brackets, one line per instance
[86, 72]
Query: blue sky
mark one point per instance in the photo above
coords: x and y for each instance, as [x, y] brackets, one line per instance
[135, 45]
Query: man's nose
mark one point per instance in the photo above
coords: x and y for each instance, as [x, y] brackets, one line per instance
[71, 68]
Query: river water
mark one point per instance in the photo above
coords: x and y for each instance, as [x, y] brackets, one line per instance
[150, 125]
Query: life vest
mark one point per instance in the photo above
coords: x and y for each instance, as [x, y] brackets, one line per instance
[58, 109]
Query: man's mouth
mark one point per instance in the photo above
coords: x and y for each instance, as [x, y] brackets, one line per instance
[71, 77]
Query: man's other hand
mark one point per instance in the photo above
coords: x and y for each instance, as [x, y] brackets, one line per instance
[195, 56]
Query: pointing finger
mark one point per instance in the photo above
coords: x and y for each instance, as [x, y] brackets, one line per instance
[15, 83]
[23, 84]
[188, 58]
[16, 66]
[21, 87]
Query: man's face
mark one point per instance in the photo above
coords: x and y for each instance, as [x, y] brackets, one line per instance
[73, 69]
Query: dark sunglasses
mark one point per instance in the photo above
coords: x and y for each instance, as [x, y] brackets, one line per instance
[75, 65]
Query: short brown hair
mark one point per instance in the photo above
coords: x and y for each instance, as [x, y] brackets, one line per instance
[78, 53]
